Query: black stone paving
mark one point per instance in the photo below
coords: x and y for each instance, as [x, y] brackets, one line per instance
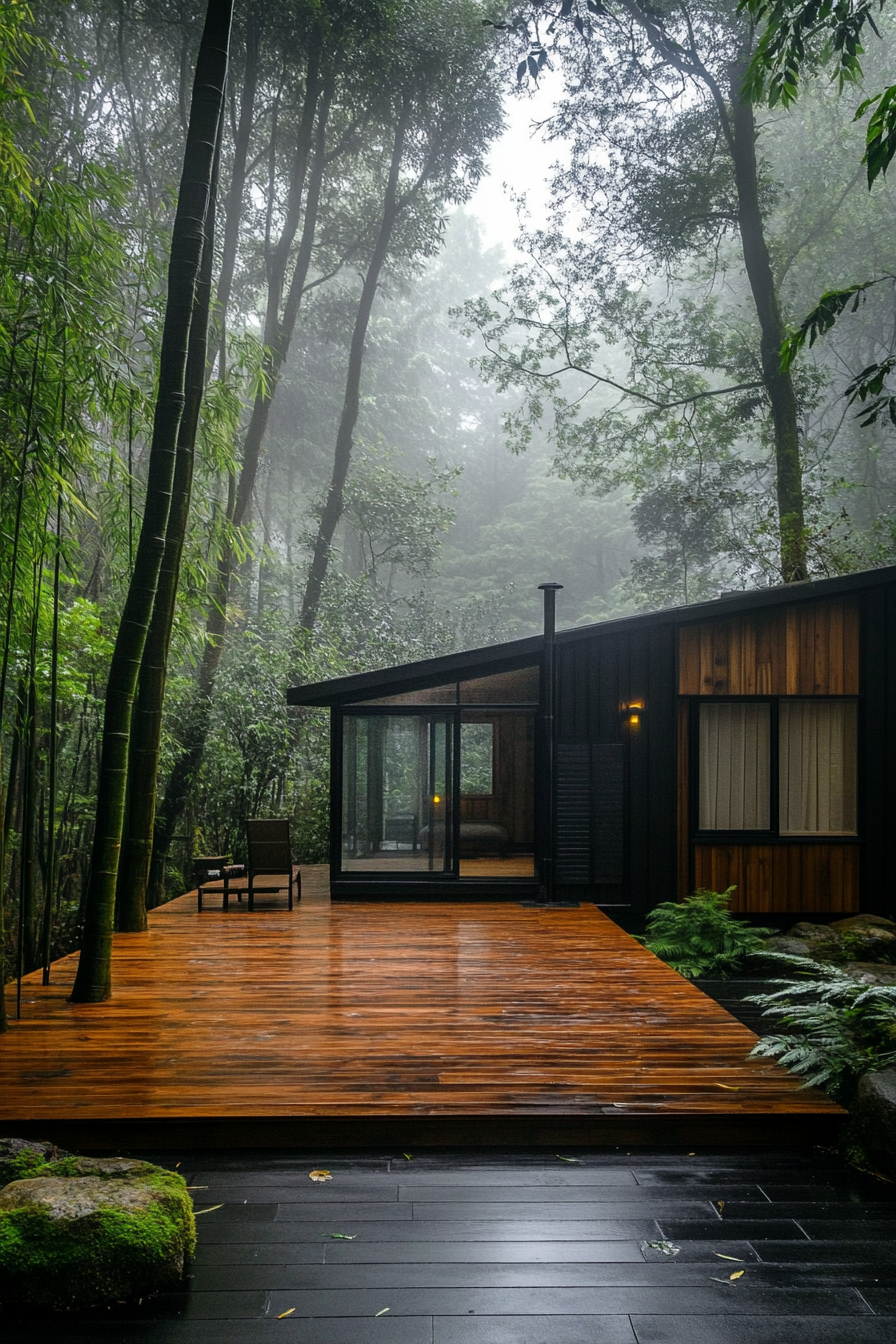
[519, 1248]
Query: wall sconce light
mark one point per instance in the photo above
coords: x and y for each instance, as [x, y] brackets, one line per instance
[633, 712]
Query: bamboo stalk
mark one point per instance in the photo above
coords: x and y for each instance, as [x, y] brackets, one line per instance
[93, 982]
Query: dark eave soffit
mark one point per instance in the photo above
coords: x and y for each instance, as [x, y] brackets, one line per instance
[523, 652]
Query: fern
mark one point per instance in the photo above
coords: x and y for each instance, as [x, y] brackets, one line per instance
[839, 1028]
[700, 936]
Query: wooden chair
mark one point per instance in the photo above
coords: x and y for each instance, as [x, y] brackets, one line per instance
[270, 855]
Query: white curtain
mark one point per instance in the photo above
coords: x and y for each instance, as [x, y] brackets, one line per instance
[817, 767]
[735, 757]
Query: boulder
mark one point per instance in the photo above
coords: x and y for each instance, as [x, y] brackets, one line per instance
[21, 1158]
[808, 932]
[874, 1120]
[867, 937]
[871, 972]
[861, 922]
[93, 1230]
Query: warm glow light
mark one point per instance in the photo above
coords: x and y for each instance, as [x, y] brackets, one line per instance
[437, 799]
[634, 720]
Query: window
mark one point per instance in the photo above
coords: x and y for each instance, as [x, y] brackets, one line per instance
[519, 687]
[817, 748]
[785, 767]
[735, 754]
[477, 760]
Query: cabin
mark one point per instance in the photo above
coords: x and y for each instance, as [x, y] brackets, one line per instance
[746, 741]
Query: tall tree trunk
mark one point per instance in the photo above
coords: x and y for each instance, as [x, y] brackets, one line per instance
[27, 885]
[738, 127]
[233, 202]
[146, 725]
[93, 982]
[779, 385]
[278, 335]
[53, 753]
[332, 510]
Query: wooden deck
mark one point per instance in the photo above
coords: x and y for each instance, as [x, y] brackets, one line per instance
[412, 1024]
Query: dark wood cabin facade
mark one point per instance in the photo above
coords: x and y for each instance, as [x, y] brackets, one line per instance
[749, 741]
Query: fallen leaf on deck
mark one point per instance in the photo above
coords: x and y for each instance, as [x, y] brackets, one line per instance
[692, 1154]
[319, 1176]
[211, 1210]
[729, 1087]
[738, 1258]
[285, 1313]
[341, 1236]
[382, 1313]
[738, 1274]
[665, 1246]
[720, 1204]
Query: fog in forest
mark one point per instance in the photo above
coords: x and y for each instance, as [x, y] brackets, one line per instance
[472, 297]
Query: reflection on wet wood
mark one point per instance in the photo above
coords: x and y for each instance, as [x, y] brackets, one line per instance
[374, 1010]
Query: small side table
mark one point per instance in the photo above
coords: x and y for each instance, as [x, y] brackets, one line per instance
[211, 868]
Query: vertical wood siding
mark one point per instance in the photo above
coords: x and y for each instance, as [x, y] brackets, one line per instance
[807, 649]
[778, 879]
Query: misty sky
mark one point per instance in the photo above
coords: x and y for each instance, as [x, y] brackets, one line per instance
[521, 160]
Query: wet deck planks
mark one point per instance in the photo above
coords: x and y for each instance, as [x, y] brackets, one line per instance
[430, 1023]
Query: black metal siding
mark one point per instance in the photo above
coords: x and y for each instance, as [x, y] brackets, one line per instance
[877, 751]
[595, 676]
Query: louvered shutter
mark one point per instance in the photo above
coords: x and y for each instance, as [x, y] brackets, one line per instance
[573, 835]
[590, 831]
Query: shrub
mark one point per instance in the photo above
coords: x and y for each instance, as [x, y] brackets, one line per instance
[838, 1028]
[700, 936]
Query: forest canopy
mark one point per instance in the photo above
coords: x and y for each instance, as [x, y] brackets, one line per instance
[285, 415]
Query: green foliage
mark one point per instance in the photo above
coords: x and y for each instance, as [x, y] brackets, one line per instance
[797, 35]
[699, 935]
[822, 318]
[868, 385]
[837, 1028]
[400, 521]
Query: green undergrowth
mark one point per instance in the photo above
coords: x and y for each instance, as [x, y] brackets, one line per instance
[699, 936]
[832, 1028]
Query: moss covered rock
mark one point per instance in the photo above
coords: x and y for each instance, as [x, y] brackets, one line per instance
[21, 1158]
[871, 1136]
[867, 938]
[95, 1230]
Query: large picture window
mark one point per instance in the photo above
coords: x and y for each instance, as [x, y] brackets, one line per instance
[440, 781]
[785, 767]
[735, 759]
[817, 780]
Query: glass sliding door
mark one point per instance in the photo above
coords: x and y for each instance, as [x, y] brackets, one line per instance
[496, 832]
[397, 791]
